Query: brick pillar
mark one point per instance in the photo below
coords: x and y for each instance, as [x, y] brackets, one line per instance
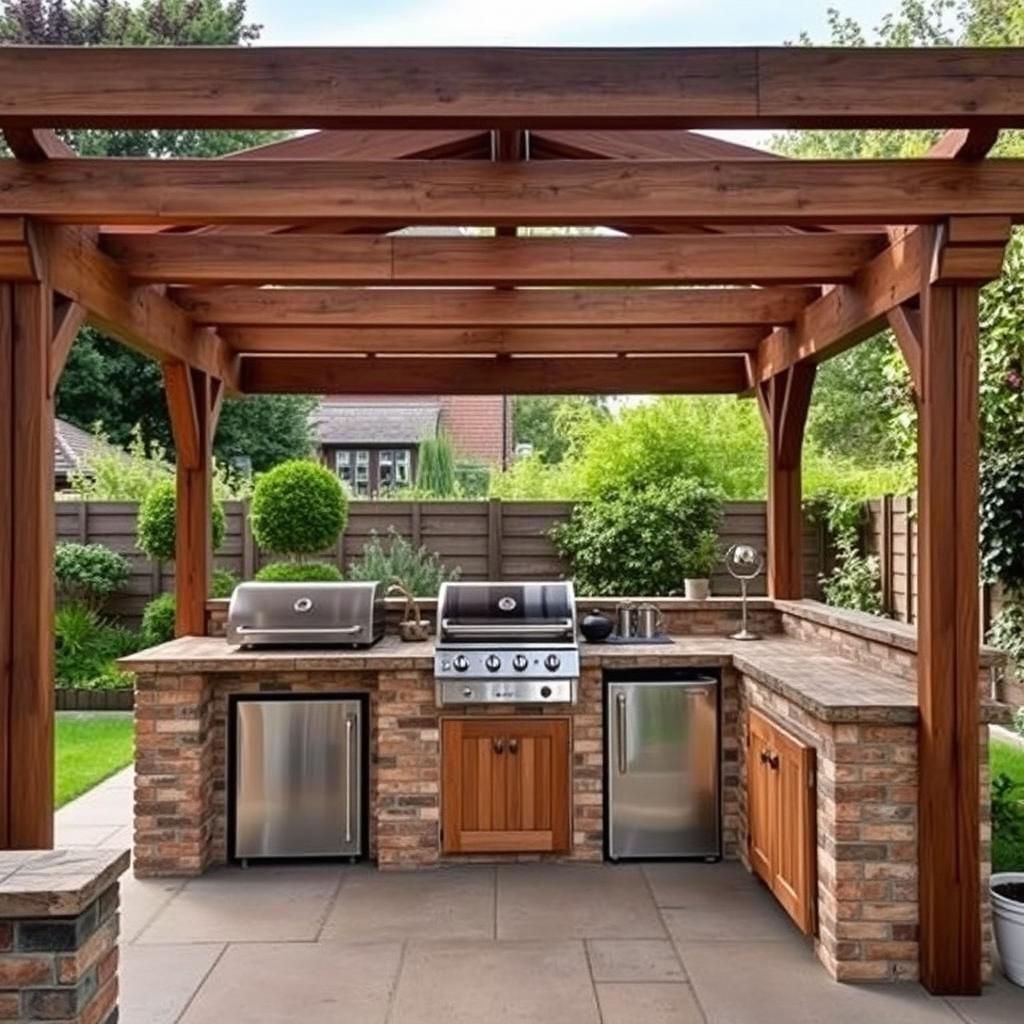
[58, 946]
[174, 775]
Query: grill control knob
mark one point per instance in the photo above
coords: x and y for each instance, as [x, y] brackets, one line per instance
[493, 663]
[552, 662]
[520, 662]
[460, 663]
[545, 692]
[467, 692]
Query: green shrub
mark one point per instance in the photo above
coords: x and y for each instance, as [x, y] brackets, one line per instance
[298, 508]
[86, 647]
[637, 541]
[435, 471]
[88, 573]
[419, 569]
[158, 620]
[703, 555]
[1007, 631]
[855, 582]
[299, 572]
[222, 583]
[157, 528]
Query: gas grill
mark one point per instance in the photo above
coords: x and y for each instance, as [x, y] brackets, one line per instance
[303, 614]
[506, 643]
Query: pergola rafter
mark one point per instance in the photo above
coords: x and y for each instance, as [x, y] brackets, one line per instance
[275, 270]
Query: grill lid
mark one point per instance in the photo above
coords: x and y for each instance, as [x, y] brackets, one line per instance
[506, 611]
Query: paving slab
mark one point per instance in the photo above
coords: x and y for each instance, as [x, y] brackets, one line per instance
[634, 960]
[315, 983]
[73, 834]
[263, 903]
[1001, 1003]
[695, 884]
[568, 901]
[740, 982]
[375, 906]
[142, 899]
[157, 982]
[658, 1003]
[494, 983]
[748, 916]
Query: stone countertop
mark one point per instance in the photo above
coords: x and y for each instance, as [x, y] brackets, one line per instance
[830, 688]
[56, 883]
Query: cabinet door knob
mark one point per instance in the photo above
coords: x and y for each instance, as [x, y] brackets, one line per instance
[498, 745]
[513, 746]
[773, 762]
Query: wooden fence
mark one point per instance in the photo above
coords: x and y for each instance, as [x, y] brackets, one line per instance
[890, 534]
[485, 539]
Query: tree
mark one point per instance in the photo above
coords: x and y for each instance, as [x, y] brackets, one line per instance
[104, 381]
[543, 421]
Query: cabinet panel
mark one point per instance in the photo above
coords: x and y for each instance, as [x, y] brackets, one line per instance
[781, 821]
[505, 785]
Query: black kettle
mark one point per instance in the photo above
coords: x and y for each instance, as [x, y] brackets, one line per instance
[596, 627]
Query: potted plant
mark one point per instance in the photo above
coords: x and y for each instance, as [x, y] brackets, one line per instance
[413, 626]
[699, 562]
[1007, 890]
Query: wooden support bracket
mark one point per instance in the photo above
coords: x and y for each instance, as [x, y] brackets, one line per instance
[905, 322]
[68, 317]
[183, 413]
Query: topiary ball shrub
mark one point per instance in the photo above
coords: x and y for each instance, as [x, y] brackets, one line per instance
[88, 573]
[222, 583]
[157, 529]
[298, 508]
[299, 572]
[158, 621]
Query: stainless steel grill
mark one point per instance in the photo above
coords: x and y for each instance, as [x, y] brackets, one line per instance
[511, 643]
[304, 614]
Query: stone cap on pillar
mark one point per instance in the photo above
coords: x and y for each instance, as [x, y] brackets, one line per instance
[56, 883]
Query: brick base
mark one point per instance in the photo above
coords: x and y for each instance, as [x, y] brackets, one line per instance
[61, 969]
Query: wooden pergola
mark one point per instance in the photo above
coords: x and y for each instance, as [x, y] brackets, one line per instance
[277, 271]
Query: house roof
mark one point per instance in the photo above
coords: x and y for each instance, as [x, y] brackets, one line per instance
[375, 422]
[71, 445]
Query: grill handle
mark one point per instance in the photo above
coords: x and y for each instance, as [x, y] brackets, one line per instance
[288, 630]
[510, 629]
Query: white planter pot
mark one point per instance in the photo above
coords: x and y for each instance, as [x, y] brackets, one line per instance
[697, 590]
[1008, 919]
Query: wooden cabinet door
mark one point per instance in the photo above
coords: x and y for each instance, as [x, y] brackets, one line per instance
[762, 805]
[794, 875]
[505, 785]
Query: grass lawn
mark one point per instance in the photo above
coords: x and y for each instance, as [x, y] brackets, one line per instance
[1008, 842]
[90, 747]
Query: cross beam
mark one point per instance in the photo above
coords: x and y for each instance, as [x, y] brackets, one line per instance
[108, 191]
[741, 87]
[397, 259]
[483, 307]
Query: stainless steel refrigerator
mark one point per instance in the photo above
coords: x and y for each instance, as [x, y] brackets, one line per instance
[298, 778]
[663, 764]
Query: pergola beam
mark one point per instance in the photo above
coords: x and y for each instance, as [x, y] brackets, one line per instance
[553, 341]
[483, 307]
[109, 191]
[404, 260]
[741, 87]
[340, 375]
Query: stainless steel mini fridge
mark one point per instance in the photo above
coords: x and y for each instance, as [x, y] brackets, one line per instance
[663, 764]
[298, 778]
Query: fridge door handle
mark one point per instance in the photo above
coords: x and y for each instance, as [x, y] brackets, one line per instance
[620, 724]
[349, 731]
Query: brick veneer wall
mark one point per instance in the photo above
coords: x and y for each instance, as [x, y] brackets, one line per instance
[61, 968]
[867, 780]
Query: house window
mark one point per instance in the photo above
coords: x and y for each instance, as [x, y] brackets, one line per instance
[353, 466]
[394, 468]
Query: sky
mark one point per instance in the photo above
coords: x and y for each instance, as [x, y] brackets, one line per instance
[551, 22]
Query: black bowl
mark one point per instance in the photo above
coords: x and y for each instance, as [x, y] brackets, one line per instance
[596, 627]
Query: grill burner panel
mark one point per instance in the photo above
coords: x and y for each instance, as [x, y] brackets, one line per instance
[506, 643]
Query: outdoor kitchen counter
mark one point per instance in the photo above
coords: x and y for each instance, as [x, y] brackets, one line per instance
[827, 686]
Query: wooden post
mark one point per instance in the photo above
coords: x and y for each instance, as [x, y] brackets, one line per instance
[948, 647]
[885, 552]
[785, 400]
[494, 539]
[193, 403]
[26, 567]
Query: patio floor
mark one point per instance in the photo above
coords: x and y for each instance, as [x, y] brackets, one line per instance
[532, 944]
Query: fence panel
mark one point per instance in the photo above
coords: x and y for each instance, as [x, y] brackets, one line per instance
[484, 539]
